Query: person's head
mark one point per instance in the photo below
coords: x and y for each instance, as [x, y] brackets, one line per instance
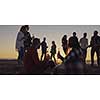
[73, 43]
[65, 36]
[36, 43]
[27, 27]
[53, 42]
[44, 39]
[85, 35]
[95, 33]
[23, 29]
[74, 33]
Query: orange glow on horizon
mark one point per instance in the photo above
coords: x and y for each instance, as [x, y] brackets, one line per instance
[12, 54]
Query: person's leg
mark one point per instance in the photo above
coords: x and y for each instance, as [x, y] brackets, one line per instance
[64, 49]
[98, 58]
[54, 58]
[51, 56]
[21, 54]
[85, 54]
[41, 56]
[45, 55]
[92, 56]
[83, 51]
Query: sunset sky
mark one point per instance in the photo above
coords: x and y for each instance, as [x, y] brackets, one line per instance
[8, 34]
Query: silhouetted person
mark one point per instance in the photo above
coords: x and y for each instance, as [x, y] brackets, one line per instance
[84, 45]
[28, 38]
[64, 44]
[72, 63]
[44, 48]
[95, 47]
[73, 43]
[76, 53]
[20, 44]
[32, 64]
[75, 39]
[53, 50]
[31, 59]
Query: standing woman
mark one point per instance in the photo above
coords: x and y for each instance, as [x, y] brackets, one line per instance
[64, 44]
[20, 44]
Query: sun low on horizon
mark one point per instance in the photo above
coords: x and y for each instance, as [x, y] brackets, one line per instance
[8, 34]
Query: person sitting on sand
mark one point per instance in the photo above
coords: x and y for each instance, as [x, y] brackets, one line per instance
[31, 59]
[72, 63]
[32, 64]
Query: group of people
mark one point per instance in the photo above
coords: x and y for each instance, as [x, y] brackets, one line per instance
[84, 45]
[27, 47]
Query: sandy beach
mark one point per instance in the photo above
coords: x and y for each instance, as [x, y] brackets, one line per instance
[10, 67]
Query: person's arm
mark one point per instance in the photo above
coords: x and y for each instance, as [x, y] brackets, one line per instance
[20, 37]
[46, 45]
[91, 42]
[29, 36]
[80, 42]
[87, 43]
[60, 56]
[41, 43]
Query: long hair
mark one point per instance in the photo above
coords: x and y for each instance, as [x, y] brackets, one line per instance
[22, 29]
[36, 43]
[73, 43]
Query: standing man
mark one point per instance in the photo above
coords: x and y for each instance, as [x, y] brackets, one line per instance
[44, 48]
[53, 50]
[75, 39]
[84, 45]
[95, 47]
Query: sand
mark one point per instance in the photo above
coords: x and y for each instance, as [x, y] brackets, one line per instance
[10, 67]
